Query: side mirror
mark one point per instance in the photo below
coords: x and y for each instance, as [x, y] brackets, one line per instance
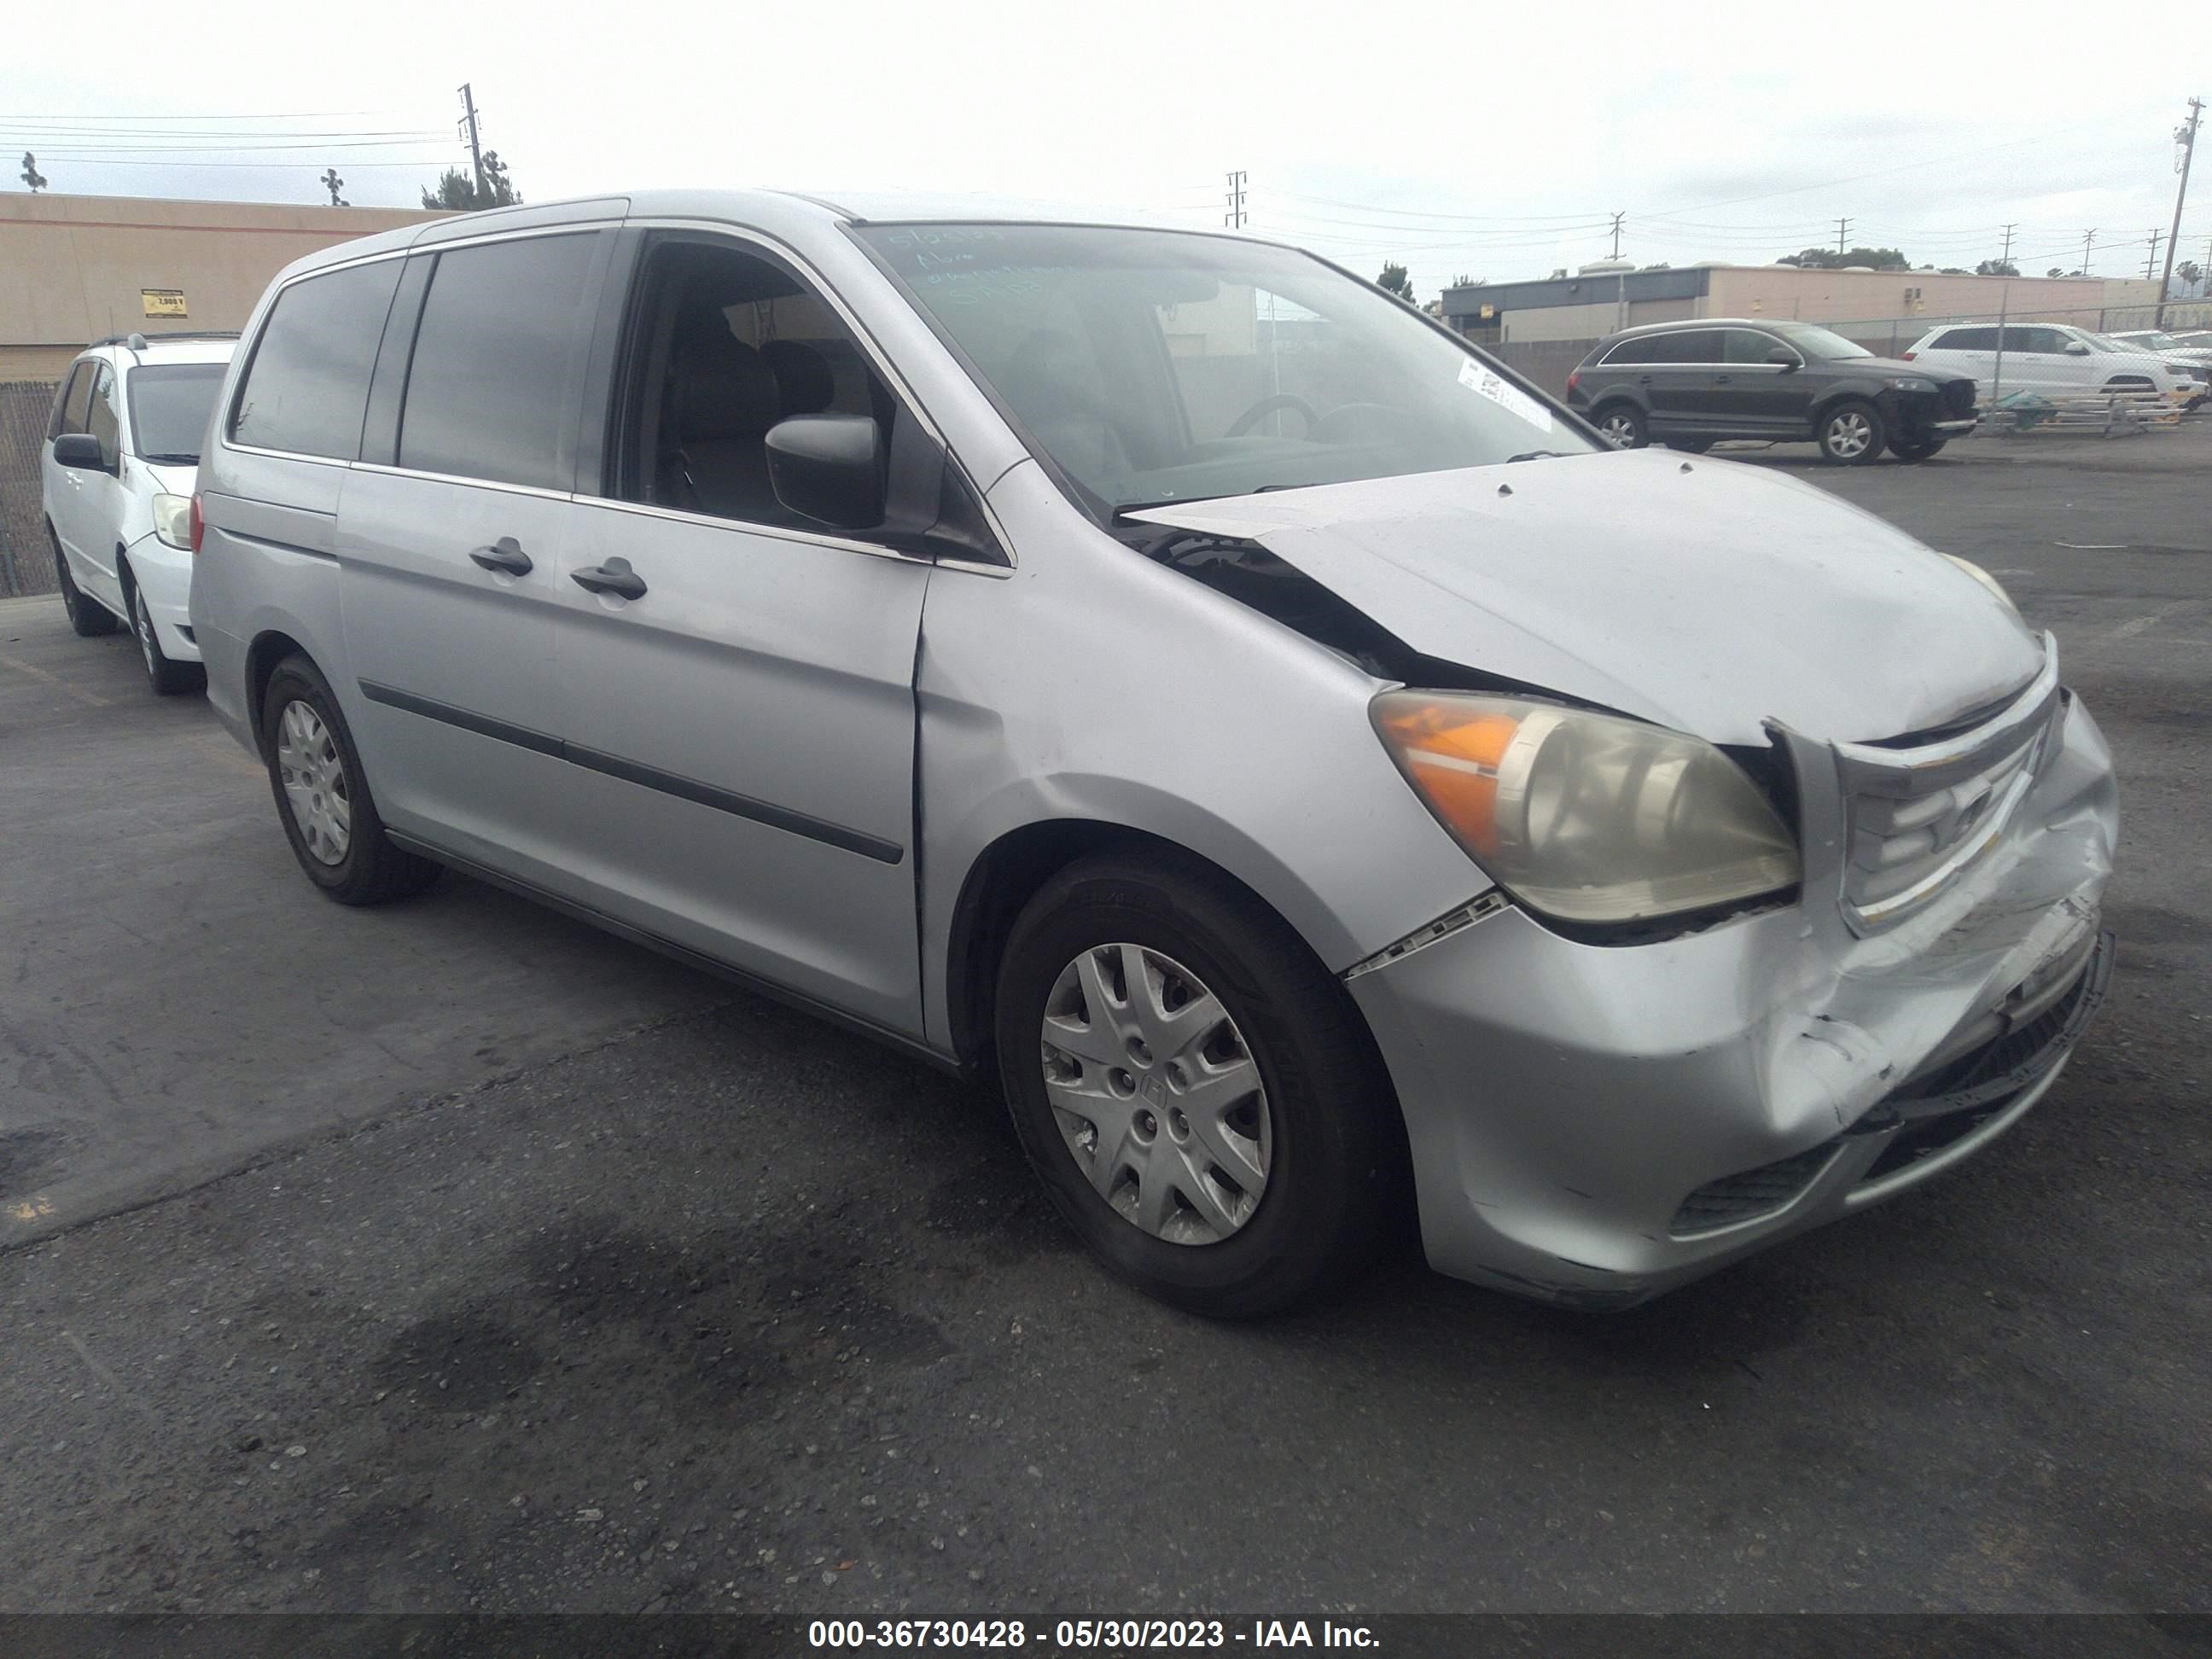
[2077, 347]
[79, 449]
[828, 468]
[1783, 357]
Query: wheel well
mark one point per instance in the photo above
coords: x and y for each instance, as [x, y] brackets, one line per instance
[261, 660]
[1001, 882]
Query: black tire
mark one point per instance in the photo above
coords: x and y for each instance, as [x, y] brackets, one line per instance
[1916, 449]
[1691, 446]
[1622, 424]
[87, 617]
[169, 678]
[1334, 1179]
[1851, 432]
[371, 870]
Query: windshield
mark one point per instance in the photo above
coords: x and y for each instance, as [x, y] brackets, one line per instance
[1153, 367]
[170, 404]
[1818, 343]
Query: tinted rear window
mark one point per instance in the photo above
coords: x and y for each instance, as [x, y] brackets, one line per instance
[497, 357]
[308, 385]
[1967, 339]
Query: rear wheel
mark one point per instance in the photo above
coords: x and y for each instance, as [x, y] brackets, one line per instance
[87, 617]
[1852, 434]
[328, 814]
[1622, 426]
[1198, 1095]
[1915, 449]
[169, 678]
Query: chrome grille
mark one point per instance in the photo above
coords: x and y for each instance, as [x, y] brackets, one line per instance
[1918, 816]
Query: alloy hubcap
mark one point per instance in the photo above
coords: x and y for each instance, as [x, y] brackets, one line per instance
[1848, 435]
[1156, 1095]
[314, 782]
[1619, 430]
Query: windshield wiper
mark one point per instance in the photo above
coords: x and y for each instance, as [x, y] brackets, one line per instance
[1536, 455]
[172, 460]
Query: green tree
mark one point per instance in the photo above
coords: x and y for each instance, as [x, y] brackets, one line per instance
[456, 192]
[1996, 268]
[32, 176]
[1822, 258]
[2189, 272]
[1394, 280]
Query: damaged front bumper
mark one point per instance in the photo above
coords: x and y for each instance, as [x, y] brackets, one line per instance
[1593, 1125]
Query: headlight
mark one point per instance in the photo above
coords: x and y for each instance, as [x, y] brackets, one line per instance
[173, 520]
[1584, 817]
[1986, 581]
[1909, 385]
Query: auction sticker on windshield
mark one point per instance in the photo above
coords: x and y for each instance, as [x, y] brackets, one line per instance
[1473, 376]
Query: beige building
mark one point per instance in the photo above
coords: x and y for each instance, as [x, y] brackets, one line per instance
[73, 268]
[1885, 309]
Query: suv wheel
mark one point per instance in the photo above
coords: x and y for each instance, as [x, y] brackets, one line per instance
[87, 617]
[169, 678]
[1200, 1098]
[329, 817]
[1852, 434]
[1622, 426]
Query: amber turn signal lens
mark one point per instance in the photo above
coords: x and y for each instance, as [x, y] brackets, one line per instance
[1453, 754]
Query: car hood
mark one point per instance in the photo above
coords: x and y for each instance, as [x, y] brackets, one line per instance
[174, 480]
[1704, 595]
[1897, 366]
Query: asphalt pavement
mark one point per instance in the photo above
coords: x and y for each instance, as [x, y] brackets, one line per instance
[457, 1258]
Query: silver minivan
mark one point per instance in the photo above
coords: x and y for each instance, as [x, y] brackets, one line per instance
[1333, 791]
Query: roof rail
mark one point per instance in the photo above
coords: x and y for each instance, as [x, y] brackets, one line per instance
[138, 342]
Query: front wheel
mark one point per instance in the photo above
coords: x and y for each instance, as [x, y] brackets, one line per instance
[1200, 1098]
[322, 798]
[1852, 434]
[1915, 449]
[169, 678]
[1622, 426]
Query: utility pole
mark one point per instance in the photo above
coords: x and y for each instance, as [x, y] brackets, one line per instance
[1234, 217]
[2155, 233]
[2005, 258]
[476, 144]
[2185, 136]
[1617, 218]
[1843, 229]
[2087, 237]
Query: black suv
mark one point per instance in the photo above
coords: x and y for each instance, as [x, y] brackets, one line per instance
[1689, 384]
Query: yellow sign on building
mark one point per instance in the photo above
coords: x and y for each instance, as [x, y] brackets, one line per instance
[163, 302]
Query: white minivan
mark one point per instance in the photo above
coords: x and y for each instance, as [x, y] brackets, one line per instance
[116, 472]
[2054, 358]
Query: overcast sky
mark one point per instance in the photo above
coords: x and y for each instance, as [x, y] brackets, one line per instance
[1460, 138]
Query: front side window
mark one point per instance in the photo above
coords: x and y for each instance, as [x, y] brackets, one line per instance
[69, 407]
[726, 343]
[170, 406]
[1744, 345]
[492, 382]
[1150, 367]
[306, 388]
[101, 419]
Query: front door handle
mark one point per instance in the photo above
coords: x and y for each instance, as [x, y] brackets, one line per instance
[505, 554]
[1722, 379]
[615, 576]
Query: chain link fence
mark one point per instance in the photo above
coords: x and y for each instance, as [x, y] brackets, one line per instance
[26, 559]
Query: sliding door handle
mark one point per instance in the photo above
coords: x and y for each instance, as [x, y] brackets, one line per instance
[506, 554]
[615, 576]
